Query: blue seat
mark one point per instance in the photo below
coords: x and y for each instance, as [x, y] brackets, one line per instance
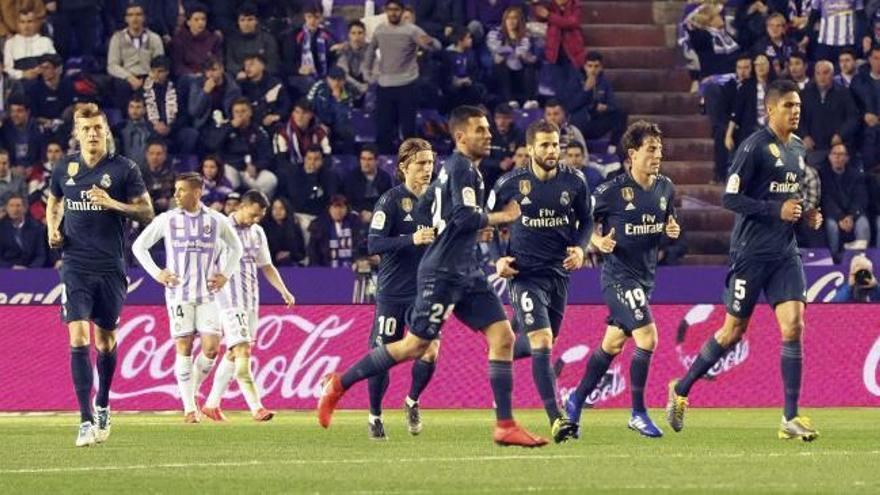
[523, 118]
[344, 164]
[364, 126]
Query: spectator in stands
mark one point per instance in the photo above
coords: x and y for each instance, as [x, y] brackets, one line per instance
[577, 157]
[749, 21]
[22, 240]
[564, 48]
[306, 53]
[301, 132]
[267, 93]
[308, 186]
[211, 96]
[233, 199]
[513, 63]
[216, 186]
[159, 176]
[38, 181]
[461, 85]
[748, 111]
[365, 184]
[250, 39]
[129, 54]
[844, 202]
[797, 69]
[488, 14]
[11, 182]
[828, 113]
[22, 136]
[9, 15]
[848, 68]
[866, 88]
[521, 157]
[861, 285]
[333, 100]
[335, 237]
[396, 73]
[439, 17]
[135, 132]
[841, 25]
[50, 94]
[193, 44]
[75, 23]
[724, 142]
[554, 112]
[506, 137]
[592, 106]
[162, 100]
[24, 52]
[811, 187]
[351, 56]
[776, 44]
[284, 236]
[245, 148]
[715, 47]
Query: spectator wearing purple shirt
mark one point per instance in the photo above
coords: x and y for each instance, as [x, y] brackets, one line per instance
[216, 186]
[513, 62]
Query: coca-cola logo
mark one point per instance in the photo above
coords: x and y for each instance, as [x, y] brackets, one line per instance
[610, 386]
[872, 369]
[50, 297]
[146, 362]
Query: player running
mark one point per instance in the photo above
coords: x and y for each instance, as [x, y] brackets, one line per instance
[763, 189]
[450, 279]
[238, 304]
[546, 244]
[94, 192]
[400, 236]
[635, 210]
[194, 237]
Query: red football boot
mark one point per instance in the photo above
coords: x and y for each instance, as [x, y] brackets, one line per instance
[330, 397]
[510, 433]
[213, 413]
[264, 414]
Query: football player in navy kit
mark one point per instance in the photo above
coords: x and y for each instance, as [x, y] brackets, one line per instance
[93, 192]
[764, 190]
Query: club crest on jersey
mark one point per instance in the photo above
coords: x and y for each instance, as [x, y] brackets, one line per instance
[525, 187]
[774, 150]
[627, 194]
[564, 198]
[406, 204]
[105, 181]
[72, 168]
[207, 230]
[663, 202]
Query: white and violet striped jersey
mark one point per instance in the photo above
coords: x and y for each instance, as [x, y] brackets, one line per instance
[243, 289]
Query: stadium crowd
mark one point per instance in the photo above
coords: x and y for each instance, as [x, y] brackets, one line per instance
[831, 49]
[278, 96]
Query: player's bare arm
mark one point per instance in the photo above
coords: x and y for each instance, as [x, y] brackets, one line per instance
[54, 214]
[277, 282]
[509, 213]
[140, 209]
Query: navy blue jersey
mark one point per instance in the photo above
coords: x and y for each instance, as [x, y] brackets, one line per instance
[764, 174]
[454, 202]
[93, 236]
[556, 214]
[391, 236]
[638, 217]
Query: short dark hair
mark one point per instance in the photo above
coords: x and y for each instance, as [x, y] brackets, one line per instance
[540, 125]
[161, 62]
[313, 8]
[314, 148]
[369, 148]
[191, 178]
[744, 56]
[304, 104]
[594, 56]
[874, 48]
[798, 55]
[212, 61]
[256, 56]
[553, 102]
[257, 197]
[358, 24]
[458, 34]
[14, 195]
[137, 97]
[157, 141]
[399, 3]
[19, 100]
[847, 51]
[460, 116]
[241, 100]
[247, 9]
[638, 132]
[503, 108]
[195, 8]
[779, 88]
[576, 144]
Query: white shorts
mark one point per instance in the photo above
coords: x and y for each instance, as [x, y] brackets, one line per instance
[239, 326]
[188, 318]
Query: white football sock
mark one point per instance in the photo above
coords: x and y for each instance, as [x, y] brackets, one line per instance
[201, 369]
[222, 377]
[183, 367]
[246, 383]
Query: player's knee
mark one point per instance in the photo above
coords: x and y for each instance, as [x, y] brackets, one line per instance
[415, 347]
[210, 353]
[541, 339]
[431, 353]
[184, 346]
[243, 371]
[792, 329]
[241, 350]
[79, 333]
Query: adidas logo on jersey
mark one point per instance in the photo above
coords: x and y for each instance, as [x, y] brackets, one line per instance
[408, 218]
[630, 206]
[779, 162]
[526, 201]
[70, 182]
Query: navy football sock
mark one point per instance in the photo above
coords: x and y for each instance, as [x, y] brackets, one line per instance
[501, 378]
[375, 362]
[422, 371]
[522, 348]
[596, 368]
[638, 377]
[81, 369]
[106, 365]
[792, 364]
[710, 353]
[545, 381]
[377, 385]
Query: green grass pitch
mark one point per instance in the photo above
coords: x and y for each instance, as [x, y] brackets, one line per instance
[720, 451]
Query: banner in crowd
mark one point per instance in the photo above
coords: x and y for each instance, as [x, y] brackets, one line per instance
[675, 285]
[295, 348]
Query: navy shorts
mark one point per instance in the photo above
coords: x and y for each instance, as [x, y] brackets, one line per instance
[538, 302]
[471, 299]
[627, 302]
[780, 280]
[389, 320]
[97, 297]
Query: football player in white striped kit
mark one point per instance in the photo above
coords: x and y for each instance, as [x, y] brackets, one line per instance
[202, 252]
[238, 305]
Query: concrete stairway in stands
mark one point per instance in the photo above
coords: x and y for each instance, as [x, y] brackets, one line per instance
[637, 39]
